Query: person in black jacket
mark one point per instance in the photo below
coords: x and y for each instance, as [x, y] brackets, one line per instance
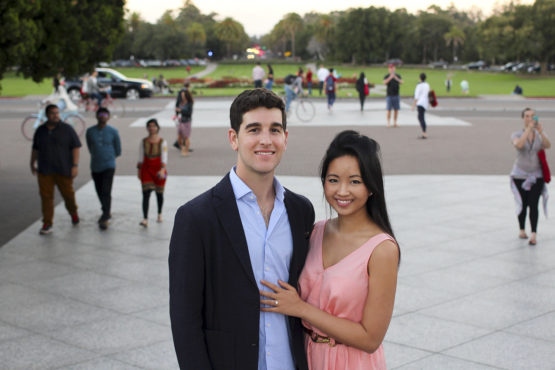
[362, 86]
[245, 229]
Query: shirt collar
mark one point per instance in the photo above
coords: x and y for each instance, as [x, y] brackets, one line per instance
[240, 189]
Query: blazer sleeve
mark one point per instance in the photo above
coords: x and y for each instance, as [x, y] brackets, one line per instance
[186, 273]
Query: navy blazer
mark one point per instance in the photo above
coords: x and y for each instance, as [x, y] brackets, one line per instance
[214, 298]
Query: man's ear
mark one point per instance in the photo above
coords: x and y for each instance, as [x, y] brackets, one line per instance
[233, 138]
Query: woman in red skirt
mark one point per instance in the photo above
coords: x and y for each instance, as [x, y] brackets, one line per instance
[153, 157]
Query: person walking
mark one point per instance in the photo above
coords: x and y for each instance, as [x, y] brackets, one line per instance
[421, 102]
[55, 161]
[392, 80]
[348, 283]
[104, 145]
[330, 88]
[258, 75]
[270, 82]
[246, 228]
[185, 111]
[363, 89]
[322, 74]
[153, 159]
[527, 181]
[309, 80]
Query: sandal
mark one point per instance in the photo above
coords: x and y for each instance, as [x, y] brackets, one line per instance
[144, 224]
[532, 242]
[159, 219]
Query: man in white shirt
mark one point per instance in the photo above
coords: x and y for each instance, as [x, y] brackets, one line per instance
[258, 75]
[322, 74]
[421, 101]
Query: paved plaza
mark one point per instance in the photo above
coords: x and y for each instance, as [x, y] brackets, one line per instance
[471, 295]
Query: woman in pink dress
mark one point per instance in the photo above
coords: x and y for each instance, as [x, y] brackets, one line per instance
[347, 287]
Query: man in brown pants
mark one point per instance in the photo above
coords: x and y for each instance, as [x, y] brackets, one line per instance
[56, 149]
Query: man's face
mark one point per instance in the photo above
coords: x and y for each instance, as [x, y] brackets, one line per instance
[102, 117]
[53, 115]
[260, 142]
[392, 69]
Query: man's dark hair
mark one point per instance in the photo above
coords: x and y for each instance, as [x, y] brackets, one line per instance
[102, 110]
[251, 99]
[422, 77]
[49, 107]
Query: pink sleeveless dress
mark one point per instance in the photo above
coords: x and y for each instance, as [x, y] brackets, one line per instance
[340, 290]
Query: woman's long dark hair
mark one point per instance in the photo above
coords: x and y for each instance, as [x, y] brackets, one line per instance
[367, 153]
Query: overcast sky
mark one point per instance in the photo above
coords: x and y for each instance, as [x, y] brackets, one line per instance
[258, 17]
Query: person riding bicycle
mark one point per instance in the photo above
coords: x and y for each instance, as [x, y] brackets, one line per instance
[293, 87]
[93, 89]
[59, 97]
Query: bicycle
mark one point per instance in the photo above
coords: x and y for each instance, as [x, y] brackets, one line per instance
[115, 106]
[304, 108]
[32, 122]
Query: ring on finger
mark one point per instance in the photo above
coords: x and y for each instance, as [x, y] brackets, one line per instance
[276, 302]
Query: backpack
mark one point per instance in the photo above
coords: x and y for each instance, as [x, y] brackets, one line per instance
[289, 79]
[329, 83]
[432, 98]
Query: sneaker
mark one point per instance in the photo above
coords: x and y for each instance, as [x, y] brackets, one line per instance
[74, 219]
[46, 229]
[103, 225]
[176, 144]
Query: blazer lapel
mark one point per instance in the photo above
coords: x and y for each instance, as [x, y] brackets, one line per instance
[299, 243]
[228, 214]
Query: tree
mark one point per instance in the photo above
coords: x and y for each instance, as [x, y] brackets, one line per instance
[232, 34]
[196, 35]
[543, 21]
[72, 36]
[455, 37]
[292, 23]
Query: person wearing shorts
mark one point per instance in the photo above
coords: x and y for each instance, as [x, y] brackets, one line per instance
[392, 80]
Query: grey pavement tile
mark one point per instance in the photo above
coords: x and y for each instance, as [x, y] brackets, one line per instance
[487, 313]
[397, 354]
[34, 270]
[460, 285]
[38, 352]
[114, 335]
[10, 258]
[156, 356]
[159, 315]
[429, 333]
[411, 299]
[47, 247]
[523, 293]
[545, 279]
[102, 363]
[421, 260]
[8, 332]
[542, 327]
[79, 285]
[534, 256]
[507, 351]
[52, 315]
[439, 361]
[15, 295]
[131, 298]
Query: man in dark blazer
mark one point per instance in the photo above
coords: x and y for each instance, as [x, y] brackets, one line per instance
[244, 229]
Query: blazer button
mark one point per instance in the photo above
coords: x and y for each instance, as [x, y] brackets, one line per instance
[254, 344]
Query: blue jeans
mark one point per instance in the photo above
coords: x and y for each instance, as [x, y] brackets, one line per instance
[289, 97]
[269, 84]
[331, 98]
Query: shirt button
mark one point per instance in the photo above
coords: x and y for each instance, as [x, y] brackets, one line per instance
[267, 269]
[268, 325]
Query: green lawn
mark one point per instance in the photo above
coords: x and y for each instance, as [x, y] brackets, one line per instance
[481, 83]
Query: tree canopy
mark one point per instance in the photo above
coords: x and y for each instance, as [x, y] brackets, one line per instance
[41, 38]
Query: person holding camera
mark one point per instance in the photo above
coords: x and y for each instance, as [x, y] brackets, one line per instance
[527, 180]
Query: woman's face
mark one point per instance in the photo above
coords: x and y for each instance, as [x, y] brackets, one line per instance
[344, 188]
[152, 128]
[529, 117]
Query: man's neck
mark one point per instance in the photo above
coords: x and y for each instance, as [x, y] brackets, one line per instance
[101, 125]
[51, 124]
[261, 185]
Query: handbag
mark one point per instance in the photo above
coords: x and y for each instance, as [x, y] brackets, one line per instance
[545, 167]
[366, 89]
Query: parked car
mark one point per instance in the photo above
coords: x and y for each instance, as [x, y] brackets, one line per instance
[121, 86]
[508, 67]
[477, 65]
[439, 64]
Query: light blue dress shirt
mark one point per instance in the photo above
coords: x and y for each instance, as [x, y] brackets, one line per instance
[270, 251]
